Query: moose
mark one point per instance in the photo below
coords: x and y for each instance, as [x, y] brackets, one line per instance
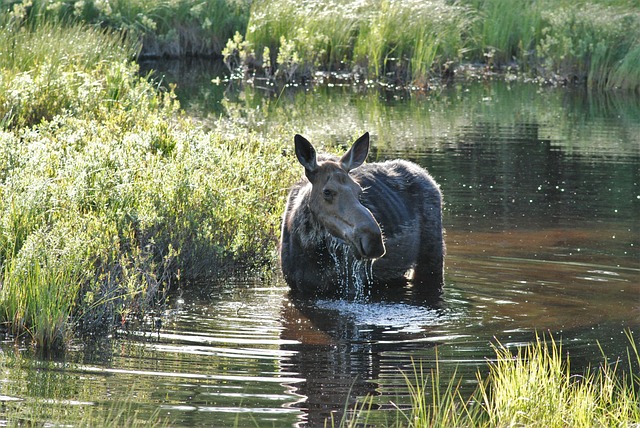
[372, 224]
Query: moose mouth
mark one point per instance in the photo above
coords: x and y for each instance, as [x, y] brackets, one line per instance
[362, 247]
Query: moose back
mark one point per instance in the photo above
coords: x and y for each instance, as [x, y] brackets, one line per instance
[374, 224]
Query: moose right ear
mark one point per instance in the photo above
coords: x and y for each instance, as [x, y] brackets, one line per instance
[306, 153]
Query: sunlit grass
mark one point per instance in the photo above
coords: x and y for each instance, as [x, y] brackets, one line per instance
[410, 41]
[108, 194]
[536, 386]
[168, 27]
[531, 387]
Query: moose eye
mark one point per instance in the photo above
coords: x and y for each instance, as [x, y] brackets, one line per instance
[327, 194]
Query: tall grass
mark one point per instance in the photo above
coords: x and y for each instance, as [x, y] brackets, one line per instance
[410, 41]
[531, 387]
[167, 27]
[537, 387]
[378, 37]
[107, 194]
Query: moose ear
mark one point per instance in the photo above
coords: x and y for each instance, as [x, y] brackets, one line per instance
[357, 154]
[306, 153]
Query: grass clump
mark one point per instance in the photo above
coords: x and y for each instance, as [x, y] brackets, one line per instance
[531, 387]
[107, 194]
[536, 387]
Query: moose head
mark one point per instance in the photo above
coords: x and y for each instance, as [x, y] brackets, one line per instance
[335, 197]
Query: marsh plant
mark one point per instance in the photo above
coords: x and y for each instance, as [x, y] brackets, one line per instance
[595, 42]
[167, 27]
[108, 194]
[531, 386]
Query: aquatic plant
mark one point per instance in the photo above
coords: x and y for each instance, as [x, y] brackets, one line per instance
[531, 386]
[536, 386]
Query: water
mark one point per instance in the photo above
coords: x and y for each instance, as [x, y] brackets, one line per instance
[542, 192]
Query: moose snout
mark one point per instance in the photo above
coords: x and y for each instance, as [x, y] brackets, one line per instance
[372, 246]
[369, 243]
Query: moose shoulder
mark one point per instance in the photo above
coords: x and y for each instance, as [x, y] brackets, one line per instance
[388, 214]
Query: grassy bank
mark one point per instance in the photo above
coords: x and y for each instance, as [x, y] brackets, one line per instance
[107, 194]
[166, 27]
[596, 42]
[532, 386]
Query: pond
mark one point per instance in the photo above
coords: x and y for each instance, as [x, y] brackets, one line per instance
[542, 194]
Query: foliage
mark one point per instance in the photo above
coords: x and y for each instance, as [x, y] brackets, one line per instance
[399, 41]
[528, 388]
[406, 39]
[536, 387]
[108, 194]
[167, 27]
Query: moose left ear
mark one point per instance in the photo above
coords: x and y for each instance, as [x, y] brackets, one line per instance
[357, 154]
[305, 153]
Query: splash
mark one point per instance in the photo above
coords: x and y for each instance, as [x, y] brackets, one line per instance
[355, 277]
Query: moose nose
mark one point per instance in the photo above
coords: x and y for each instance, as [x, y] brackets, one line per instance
[372, 246]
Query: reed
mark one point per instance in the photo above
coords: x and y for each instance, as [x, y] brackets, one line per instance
[537, 387]
[168, 28]
[589, 41]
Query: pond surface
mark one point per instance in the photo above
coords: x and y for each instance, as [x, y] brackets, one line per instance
[542, 192]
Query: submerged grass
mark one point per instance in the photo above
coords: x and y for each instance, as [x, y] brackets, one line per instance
[531, 387]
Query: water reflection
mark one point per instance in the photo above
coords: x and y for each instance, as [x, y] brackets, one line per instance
[340, 347]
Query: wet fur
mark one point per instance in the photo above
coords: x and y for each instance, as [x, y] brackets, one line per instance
[407, 204]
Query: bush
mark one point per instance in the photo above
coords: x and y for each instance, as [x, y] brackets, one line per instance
[108, 194]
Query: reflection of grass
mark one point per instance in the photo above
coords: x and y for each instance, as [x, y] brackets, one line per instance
[531, 387]
[38, 393]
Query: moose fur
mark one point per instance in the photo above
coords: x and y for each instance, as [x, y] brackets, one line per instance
[384, 216]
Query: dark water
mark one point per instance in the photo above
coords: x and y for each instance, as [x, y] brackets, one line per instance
[542, 191]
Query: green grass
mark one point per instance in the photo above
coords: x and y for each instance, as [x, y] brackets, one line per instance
[167, 27]
[530, 387]
[536, 387]
[397, 42]
[400, 39]
[108, 194]
[594, 42]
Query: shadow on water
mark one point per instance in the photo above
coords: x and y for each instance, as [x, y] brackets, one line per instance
[339, 346]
